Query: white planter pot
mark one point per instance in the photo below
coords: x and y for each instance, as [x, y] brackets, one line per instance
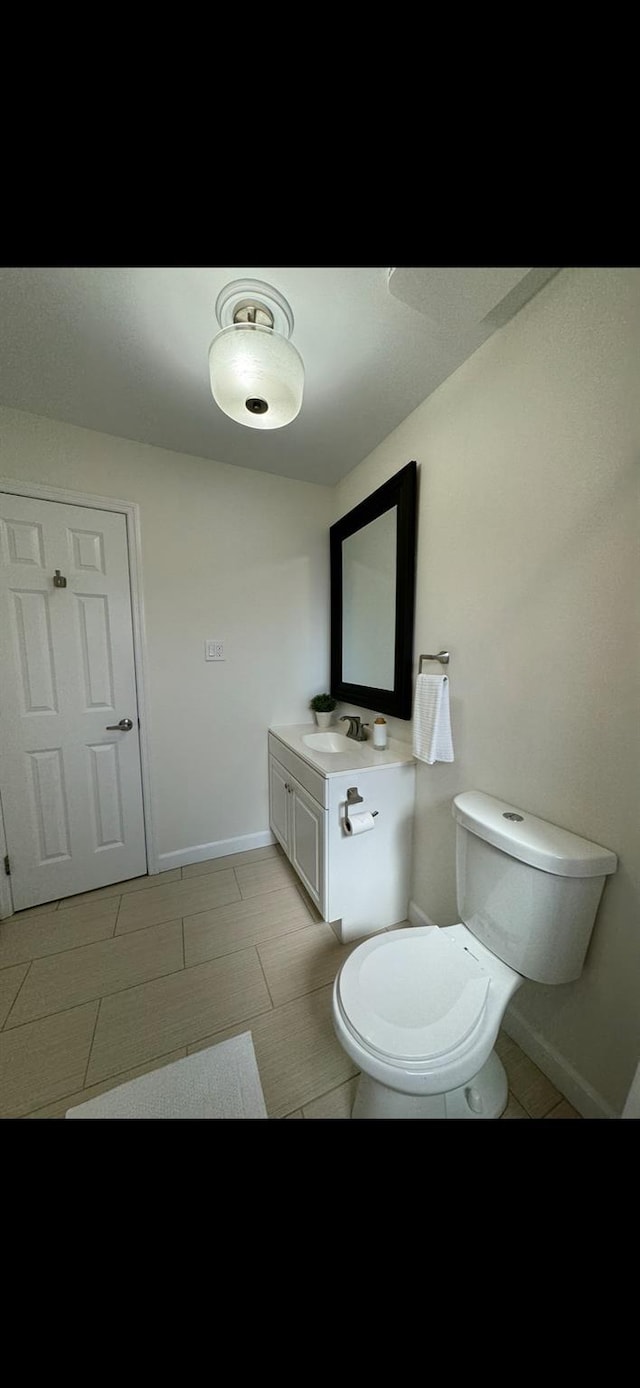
[323, 719]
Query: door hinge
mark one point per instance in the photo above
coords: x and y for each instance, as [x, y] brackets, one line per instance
[7, 865]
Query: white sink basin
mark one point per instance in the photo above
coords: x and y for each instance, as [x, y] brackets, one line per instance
[328, 742]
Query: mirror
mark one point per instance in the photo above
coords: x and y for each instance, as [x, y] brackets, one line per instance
[372, 598]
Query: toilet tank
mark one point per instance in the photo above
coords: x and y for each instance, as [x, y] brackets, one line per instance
[527, 889]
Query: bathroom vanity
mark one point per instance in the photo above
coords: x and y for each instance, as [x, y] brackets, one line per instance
[359, 880]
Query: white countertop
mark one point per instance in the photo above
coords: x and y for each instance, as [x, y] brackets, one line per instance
[361, 756]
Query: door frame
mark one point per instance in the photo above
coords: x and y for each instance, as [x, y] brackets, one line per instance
[131, 512]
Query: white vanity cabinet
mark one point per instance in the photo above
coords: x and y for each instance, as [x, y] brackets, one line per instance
[360, 883]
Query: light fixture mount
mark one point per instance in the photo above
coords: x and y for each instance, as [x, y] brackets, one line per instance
[253, 313]
[257, 376]
[236, 300]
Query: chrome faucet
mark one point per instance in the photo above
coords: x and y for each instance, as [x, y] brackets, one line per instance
[356, 729]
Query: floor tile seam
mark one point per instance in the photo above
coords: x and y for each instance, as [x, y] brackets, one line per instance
[184, 915]
[523, 1104]
[49, 915]
[222, 857]
[237, 949]
[72, 901]
[45, 908]
[8, 1016]
[317, 988]
[532, 1076]
[553, 1104]
[308, 904]
[243, 1022]
[74, 1088]
[55, 953]
[197, 876]
[238, 901]
[266, 982]
[137, 930]
[112, 900]
[130, 988]
[97, 997]
[561, 1100]
[78, 904]
[93, 1037]
[325, 1092]
[242, 949]
[4, 968]
[511, 1096]
[120, 1073]
[530, 1072]
[58, 1099]
[264, 891]
[264, 1012]
[88, 944]
[551, 1110]
[322, 1095]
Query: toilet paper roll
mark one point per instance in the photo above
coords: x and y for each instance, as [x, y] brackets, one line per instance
[359, 823]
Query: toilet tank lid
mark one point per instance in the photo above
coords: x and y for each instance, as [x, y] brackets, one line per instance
[533, 841]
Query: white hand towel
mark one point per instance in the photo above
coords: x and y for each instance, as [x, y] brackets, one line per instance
[432, 720]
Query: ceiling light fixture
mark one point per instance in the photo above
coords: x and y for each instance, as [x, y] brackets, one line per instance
[257, 376]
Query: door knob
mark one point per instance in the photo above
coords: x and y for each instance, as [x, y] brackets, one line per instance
[124, 726]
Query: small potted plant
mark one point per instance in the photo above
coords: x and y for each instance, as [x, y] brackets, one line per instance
[323, 706]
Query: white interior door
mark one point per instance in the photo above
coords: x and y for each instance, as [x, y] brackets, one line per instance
[70, 782]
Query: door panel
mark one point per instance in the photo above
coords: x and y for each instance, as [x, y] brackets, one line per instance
[278, 802]
[108, 817]
[95, 646]
[49, 805]
[71, 789]
[32, 627]
[307, 842]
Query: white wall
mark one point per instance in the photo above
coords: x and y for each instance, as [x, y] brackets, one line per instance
[528, 572]
[227, 553]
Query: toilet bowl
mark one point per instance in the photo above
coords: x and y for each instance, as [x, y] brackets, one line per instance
[418, 1009]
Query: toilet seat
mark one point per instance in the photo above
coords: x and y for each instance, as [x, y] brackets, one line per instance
[413, 996]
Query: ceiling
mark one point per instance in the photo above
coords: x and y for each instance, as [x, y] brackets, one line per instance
[124, 350]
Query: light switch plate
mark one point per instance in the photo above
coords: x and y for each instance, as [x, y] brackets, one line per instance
[214, 650]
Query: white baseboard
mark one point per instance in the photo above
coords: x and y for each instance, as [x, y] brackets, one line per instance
[416, 916]
[557, 1069]
[554, 1065]
[200, 852]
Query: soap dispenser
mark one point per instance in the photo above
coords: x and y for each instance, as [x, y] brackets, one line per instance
[380, 733]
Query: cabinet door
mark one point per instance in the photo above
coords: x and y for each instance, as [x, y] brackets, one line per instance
[279, 802]
[306, 846]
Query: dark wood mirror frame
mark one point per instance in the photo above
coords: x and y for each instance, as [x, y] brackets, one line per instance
[400, 491]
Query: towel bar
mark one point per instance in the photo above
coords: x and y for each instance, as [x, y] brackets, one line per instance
[443, 657]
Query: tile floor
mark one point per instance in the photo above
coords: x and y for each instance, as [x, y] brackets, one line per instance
[102, 987]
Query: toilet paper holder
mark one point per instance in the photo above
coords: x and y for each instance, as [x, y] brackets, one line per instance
[354, 798]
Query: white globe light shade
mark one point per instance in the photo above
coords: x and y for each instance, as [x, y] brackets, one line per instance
[257, 376]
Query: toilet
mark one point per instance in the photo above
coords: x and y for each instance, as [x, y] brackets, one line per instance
[418, 1010]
